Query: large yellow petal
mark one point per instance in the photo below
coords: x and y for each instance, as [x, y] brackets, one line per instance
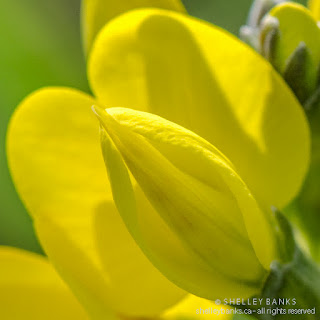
[314, 6]
[56, 163]
[96, 13]
[31, 289]
[204, 79]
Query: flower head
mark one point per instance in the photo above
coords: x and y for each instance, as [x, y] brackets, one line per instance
[189, 73]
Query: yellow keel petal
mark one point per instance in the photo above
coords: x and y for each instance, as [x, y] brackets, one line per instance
[191, 206]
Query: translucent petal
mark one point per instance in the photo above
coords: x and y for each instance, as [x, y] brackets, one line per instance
[201, 77]
[31, 289]
[96, 13]
[56, 163]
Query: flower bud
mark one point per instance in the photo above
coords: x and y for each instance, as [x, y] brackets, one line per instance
[287, 35]
[289, 38]
[259, 9]
[250, 32]
[269, 37]
[186, 206]
[297, 53]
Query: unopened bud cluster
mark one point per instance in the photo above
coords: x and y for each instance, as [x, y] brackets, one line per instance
[287, 35]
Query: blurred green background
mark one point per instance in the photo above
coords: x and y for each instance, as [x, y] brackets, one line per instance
[41, 46]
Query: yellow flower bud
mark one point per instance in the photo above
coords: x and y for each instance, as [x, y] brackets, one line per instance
[186, 206]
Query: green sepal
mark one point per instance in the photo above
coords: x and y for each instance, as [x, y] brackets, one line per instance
[269, 38]
[286, 241]
[295, 73]
[295, 278]
[313, 102]
[306, 213]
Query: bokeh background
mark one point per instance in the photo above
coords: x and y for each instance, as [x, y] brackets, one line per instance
[40, 45]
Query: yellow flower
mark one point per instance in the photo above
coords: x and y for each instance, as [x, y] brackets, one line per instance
[186, 71]
[31, 289]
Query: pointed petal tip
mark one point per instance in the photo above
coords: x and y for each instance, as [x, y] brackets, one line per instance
[102, 115]
[98, 111]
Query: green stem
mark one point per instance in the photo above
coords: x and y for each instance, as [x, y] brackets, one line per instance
[292, 291]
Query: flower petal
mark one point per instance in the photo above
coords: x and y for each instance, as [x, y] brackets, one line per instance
[96, 13]
[209, 82]
[191, 209]
[55, 159]
[314, 6]
[31, 289]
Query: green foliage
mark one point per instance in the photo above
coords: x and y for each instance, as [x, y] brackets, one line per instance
[40, 46]
[229, 15]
